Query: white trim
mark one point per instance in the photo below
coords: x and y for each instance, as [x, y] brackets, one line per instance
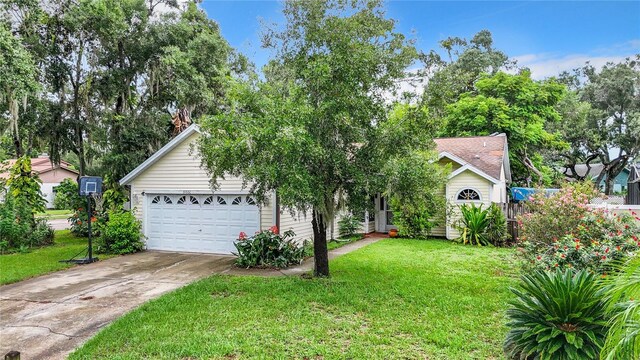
[455, 197]
[475, 170]
[160, 153]
[196, 192]
[452, 157]
[274, 216]
[446, 213]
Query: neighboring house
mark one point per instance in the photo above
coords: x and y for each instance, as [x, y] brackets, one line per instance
[171, 195]
[50, 175]
[619, 183]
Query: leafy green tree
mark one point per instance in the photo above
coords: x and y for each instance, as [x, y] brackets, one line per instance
[311, 131]
[24, 185]
[465, 62]
[606, 128]
[17, 83]
[515, 105]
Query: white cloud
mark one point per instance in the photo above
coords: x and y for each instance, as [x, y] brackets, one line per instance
[546, 64]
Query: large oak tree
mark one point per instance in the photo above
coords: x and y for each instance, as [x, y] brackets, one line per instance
[311, 131]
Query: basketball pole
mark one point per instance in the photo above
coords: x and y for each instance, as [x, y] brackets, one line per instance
[89, 227]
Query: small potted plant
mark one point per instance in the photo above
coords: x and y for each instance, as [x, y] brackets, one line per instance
[393, 233]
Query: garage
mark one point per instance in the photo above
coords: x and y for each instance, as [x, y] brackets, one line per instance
[207, 223]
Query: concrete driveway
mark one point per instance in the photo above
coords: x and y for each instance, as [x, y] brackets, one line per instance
[49, 316]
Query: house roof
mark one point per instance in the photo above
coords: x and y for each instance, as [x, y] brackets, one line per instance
[39, 165]
[194, 128]
[486, 154]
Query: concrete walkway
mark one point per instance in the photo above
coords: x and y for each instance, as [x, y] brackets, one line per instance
[49, 316]
[59, 224]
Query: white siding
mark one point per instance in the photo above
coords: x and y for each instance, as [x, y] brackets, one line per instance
[464, 180]
[300, 224]
[179, 171]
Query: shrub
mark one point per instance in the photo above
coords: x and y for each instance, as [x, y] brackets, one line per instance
[415, 185]
[66, 195]
[497, 228]
[552, 217]
[597, 241]
[348, 226]
[268, 249]
[473, 225]
[121, 234]
[19, 229]
[623, 305]
[556, 315]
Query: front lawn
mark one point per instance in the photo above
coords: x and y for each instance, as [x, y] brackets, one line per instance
[52, 214]
[39, 261]
[404, 299]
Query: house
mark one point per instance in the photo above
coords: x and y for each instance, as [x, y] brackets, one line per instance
[50, 175]
[633, 185]
[171, 195]
[619, 183]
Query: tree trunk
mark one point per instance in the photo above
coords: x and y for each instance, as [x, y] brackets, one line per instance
[320, 252]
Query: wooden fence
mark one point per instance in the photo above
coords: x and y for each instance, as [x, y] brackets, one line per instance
[511, 211]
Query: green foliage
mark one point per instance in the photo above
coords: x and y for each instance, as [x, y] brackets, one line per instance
[67, 197]
[467, 61]
[551, 217]
[517, 106]
[562, 231]
[415, 185]
[473, 226]
[24, 185]
[121, 234]
[623, 305]
[597, 243]
[608, 117]
[349, 225]
[19, 229]
[269, 249]
[556, 316]
[310, 131]
[497, 229]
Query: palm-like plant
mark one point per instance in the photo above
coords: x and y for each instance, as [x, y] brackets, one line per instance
[473, 225]
[556, 315]
[623, 300]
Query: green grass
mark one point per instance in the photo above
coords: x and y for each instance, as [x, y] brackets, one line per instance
[39, 261]
[56, 214]
[334, 244]
[395, 299]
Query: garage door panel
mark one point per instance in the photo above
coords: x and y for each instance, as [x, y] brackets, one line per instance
[199, 223]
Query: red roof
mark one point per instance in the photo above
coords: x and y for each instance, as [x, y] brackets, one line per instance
[483, 152]
[39, 165]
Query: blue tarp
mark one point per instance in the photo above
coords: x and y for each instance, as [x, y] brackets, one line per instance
[522, 193]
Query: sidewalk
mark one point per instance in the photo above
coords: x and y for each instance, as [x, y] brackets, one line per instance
[307, 265]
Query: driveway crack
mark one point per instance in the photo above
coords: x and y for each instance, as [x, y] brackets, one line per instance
[41, 327]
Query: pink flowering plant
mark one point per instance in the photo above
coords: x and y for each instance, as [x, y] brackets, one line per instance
[268, 249]
[592, 239]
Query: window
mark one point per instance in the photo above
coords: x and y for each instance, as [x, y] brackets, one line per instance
[250, 200]
[182, 200]
[167, 200]
[155, 200]
[208, 200]
[221, 201]
[468, 195]
[193, 200]
[237, 201]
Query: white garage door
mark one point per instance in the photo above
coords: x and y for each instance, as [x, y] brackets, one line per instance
[199, 223]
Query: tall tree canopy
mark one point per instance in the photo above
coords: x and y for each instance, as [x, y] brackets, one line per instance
[112, 73]
[603, 120]
[454, 74]
[311, 131]
[517, 106]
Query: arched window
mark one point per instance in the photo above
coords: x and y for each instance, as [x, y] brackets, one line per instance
[468, 195]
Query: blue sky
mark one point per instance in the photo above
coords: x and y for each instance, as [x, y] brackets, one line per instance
[547, 36]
